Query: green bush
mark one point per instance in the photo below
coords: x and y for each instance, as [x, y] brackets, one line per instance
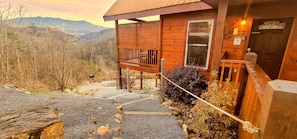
[188, 78]
[210, 123]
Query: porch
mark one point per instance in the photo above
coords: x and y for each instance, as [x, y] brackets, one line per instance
[265, 103]
[257, 101]
[145, 60]
[138, 47]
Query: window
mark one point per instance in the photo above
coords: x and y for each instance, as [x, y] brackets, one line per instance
[198, 43]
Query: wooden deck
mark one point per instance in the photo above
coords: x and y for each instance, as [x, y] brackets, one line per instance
[139, 59]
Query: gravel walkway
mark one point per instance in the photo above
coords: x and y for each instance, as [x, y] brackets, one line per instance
[78, 110]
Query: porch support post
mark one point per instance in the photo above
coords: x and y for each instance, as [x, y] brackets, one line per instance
[141, 80]
[128, 79]
[160, 44]
[156, 78]
[117, 79]
[120, 78]
[118, 56]
[219, 34]
[278, 113]
[162, 84]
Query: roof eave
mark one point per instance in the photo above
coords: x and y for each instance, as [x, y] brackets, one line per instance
[212, 3]
[196, 6]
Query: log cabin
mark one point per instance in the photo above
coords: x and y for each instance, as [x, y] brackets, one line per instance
[206, 34]
[197, 33]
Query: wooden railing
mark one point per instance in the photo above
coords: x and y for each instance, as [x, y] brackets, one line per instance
[234, 70]
[253, 98]
[142, 57]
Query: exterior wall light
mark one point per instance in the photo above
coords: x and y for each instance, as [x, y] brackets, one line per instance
[243, 22]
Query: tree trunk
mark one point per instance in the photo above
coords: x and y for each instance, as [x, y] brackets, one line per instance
[7, 70]
[32, 122]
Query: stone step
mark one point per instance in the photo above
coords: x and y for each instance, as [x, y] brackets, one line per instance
[147, 125]
[135, 101]
[107, 94]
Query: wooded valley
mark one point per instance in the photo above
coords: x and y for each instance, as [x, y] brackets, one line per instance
[45, 58]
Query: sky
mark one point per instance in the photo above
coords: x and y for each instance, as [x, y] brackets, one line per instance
[88, 10]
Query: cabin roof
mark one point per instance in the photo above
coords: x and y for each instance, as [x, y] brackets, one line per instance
[131, 9]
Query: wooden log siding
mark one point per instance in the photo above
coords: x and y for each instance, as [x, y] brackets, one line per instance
[127, 36]
[174, 35]
[142, 35]
[138, 46]
[148, 35]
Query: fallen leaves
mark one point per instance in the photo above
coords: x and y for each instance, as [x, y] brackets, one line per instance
[93, 120]
[103, 130]
[118, 118]
[117, 129]
[167, 103]
[99, 108]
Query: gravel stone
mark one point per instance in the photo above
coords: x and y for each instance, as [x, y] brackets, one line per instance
[78, 112]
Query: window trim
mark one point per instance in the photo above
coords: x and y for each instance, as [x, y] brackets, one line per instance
[209, 43]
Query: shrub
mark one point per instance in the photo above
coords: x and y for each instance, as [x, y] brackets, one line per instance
[210, 123]
[188, 78]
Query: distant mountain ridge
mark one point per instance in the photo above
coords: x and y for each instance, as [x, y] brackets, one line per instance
[78, 28]
[104, 34]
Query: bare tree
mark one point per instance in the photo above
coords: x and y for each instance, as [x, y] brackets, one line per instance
[8, 36]
[60, 61]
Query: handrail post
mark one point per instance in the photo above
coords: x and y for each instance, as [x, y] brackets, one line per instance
[278, 116]
[162, 84]
[117, 80]
[156, 80]
[128, 80]
[141, 80]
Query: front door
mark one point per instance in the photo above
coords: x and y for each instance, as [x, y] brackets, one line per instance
[268, 40]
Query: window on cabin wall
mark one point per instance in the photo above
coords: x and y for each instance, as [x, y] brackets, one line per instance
[199, 33]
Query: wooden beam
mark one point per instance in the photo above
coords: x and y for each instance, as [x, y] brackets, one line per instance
[128, 79]
[219, 34]
[162, 84]
[141, 80]
[139, 68]
[160, 42]
[117, 54]
[137, 20]
[212, 3]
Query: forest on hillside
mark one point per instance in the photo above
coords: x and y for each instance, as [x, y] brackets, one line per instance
[43, 58]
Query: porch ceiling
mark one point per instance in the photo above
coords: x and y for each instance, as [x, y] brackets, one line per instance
[244, 2]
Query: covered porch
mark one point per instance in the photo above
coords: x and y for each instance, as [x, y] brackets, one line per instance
[138, 46]
[236, 25]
